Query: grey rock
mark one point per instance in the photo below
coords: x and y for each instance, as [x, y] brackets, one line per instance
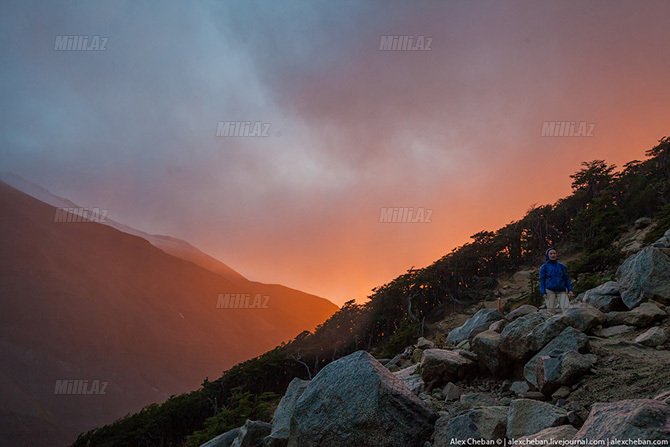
[439, 366]
[478, 400]
[546, 375]
[573, 366]
[485, 423]
[424, 343]
[545, 332]
[281, 421]
[520, 311]
[394, 361]
[451, 392]
[487, 347]
[584, 319]
[569, 340]
[605, 297]
[527, 417]
[223, 440]
[627, 419]
[411, 378]
[467, 354]
[645, 315]
[514, 341]
[645, 276]
[251, 434]
[653, 337]
[560, 433]
[482, 318]
[663, 241]
[498, 326]
[613, 331]
[440, 433]
[533, 395]
[356, 401]
[519, 387]
[561, 393]
[642, 222]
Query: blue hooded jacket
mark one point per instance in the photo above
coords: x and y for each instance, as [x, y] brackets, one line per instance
[553, 276]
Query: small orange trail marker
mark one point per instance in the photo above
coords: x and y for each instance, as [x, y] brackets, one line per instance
[498, 304]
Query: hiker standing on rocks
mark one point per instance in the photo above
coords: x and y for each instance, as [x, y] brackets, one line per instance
[555, 285]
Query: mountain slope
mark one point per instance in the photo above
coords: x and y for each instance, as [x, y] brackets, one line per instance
[173, 246]
[85, 301]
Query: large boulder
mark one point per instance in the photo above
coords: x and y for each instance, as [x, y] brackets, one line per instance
[528, 417]
[251, 434]
[645, 276]
[281, 421]
[487, 347]
[573, 366]
[479, 322]
[410, 376]
[546, 374]
[223, 440]
[488, 423]
[514, 341]
[439, 366]
[554, 372]
[645, 315]
[545, 332]
[605, 297]
[356, 401]
[584, 318]
[627, 419]
[546, 436]
[569, 340]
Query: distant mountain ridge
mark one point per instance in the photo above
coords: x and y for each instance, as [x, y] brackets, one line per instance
[171, 245]
[84, 301]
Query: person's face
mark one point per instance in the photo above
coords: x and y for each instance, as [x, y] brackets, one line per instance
[552, 255]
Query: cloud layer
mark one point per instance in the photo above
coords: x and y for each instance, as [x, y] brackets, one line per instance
[456, 129]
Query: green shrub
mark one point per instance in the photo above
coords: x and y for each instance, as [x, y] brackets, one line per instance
[661, 226]
[242, 406]
[406, 335]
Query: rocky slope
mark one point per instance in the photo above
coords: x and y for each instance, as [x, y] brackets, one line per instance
[598, 371]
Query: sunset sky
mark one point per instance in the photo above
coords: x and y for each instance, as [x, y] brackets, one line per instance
[455, 129]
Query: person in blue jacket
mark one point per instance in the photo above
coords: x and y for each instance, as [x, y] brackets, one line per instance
[555, 285]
